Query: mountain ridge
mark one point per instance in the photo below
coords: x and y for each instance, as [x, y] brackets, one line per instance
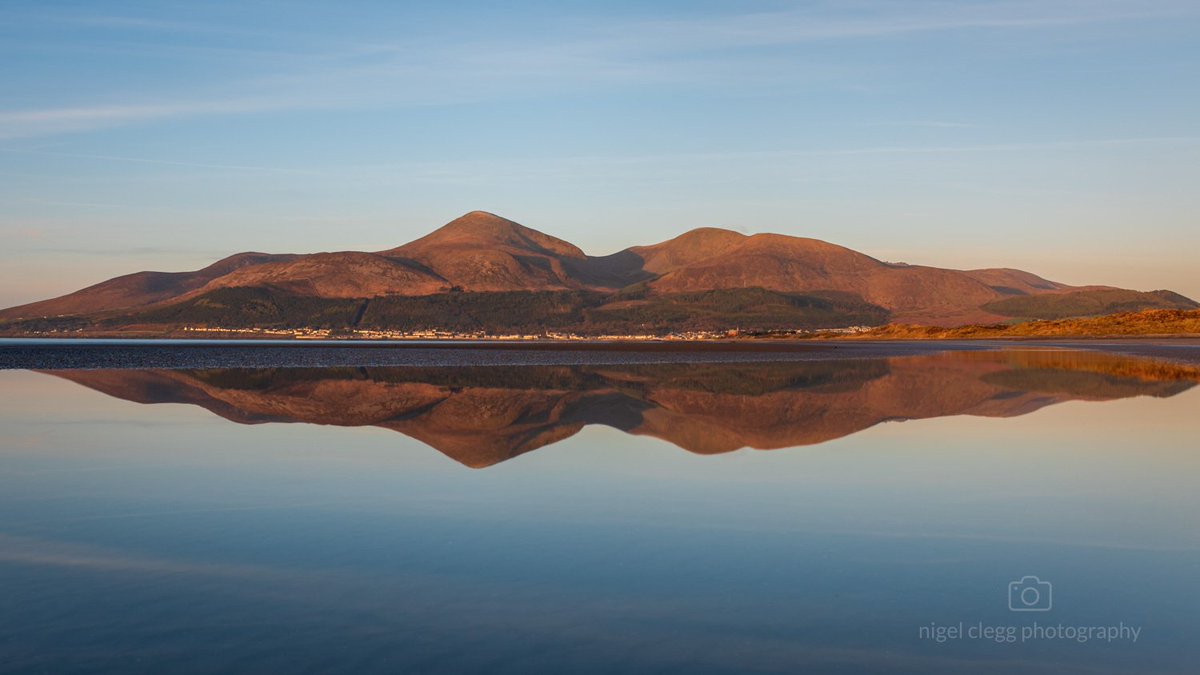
[705, 278]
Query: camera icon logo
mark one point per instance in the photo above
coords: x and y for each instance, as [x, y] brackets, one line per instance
[1030, 594]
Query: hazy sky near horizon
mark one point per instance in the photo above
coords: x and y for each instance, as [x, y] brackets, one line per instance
[1058, 136]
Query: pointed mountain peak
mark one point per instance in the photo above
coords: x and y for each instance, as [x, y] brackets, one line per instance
[479, 223]
[481, 229]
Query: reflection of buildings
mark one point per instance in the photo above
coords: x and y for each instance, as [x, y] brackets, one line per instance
[484, 415]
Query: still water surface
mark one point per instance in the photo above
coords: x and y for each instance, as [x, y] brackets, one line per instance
[840, 514]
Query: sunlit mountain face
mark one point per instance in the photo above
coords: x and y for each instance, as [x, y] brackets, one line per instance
[482, 273]
[480, 416]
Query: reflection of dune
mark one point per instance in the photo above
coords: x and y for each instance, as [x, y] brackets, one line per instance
[484, 415]
[1106, 363]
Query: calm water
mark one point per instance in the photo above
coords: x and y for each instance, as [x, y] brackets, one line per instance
[833, 514]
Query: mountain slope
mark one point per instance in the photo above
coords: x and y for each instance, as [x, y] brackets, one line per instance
[1015, 282]
[347, 274]
[799, 265]
[138, 289]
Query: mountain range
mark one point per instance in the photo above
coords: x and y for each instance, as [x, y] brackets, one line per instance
[484, 273]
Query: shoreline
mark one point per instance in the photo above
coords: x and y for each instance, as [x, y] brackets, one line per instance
[816, 338]
[91, 353]
[1144, 325]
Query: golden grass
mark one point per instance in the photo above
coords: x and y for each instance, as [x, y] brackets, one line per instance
[1152, 322]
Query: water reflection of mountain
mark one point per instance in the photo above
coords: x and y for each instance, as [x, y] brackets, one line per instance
[484, 415]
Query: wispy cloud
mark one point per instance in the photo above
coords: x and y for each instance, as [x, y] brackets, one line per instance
[47, 121]
[926, 124]
[836, 20]
[703, 160]
[150, 160]
[1007, 147]
[341, 71]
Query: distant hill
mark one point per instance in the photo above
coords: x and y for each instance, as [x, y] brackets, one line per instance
[1086, 302]
[481, 272]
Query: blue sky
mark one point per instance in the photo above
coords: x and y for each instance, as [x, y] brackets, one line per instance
[1057, 136]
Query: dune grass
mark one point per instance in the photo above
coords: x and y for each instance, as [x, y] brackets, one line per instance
[1153, 322]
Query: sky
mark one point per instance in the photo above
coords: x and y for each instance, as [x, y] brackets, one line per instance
[1057, 136]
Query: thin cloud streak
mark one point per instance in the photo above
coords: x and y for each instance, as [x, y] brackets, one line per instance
[617, 53]
[147, 160]
[51, 121]
[675, 167]
[928, 124]
[429, 169]
[1001, 147]
[883, 19]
